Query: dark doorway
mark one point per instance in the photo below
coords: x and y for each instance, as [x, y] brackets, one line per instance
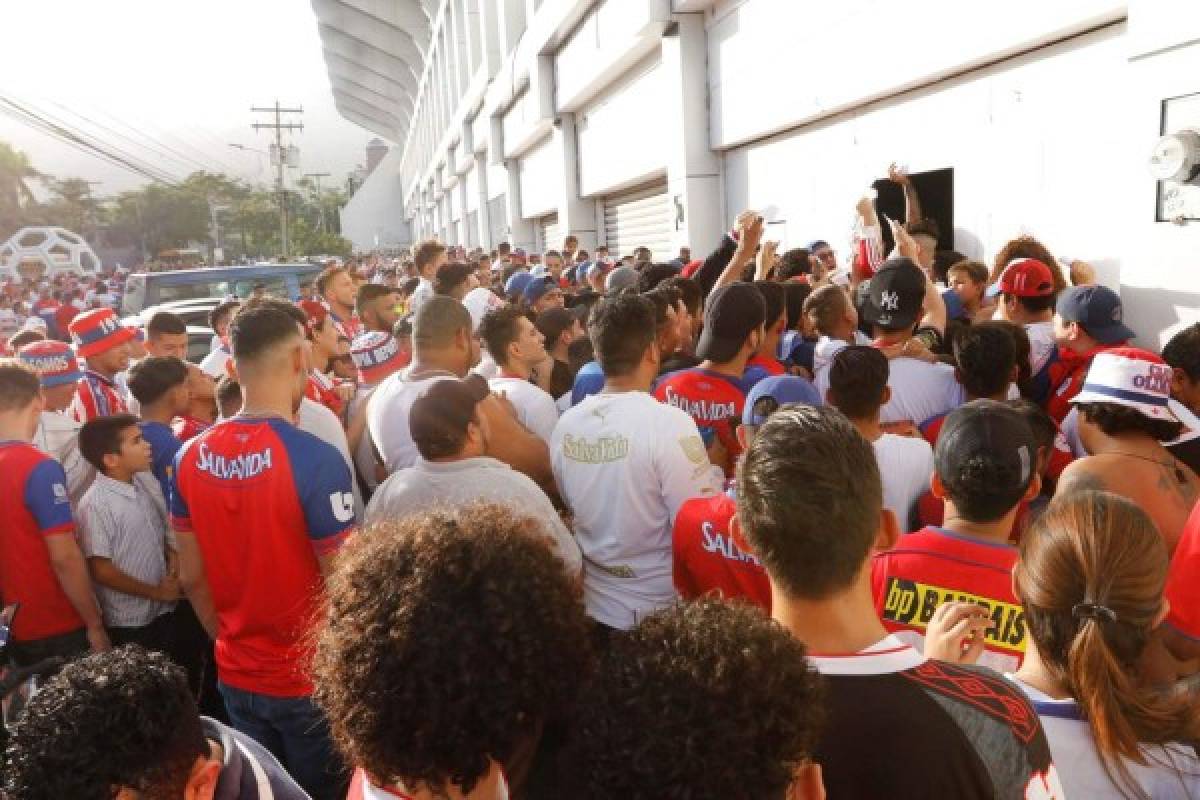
[935, 190]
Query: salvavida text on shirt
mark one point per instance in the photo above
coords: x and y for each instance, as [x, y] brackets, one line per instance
[599, 451]
[239, 467]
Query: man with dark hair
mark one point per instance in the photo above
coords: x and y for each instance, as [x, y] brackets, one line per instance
[375, 306]
[706, 557]
[445, 347]
[518, 347]
[625, 464]
[712, 394]
[454, 468]
[986, 472]
[429, 257]
[336, 289]
[541, 293]
[41, 565]
[257, 595]
[509, 672]
[160, 385]
[810, 504]
[902, 301]
[795, 263]
[218, 319]
[985, 358]
[653, 275]
[123, 533]
[666, 321]
[764, 362]
[685, 690]
[455, 279]
[858, 387]
[560, 327]
[1087, 321]
[124, 724]
[166, 335]
[1182, 354]
[1124, 421]
[689, 293]
[553, 261]
[1027, 297]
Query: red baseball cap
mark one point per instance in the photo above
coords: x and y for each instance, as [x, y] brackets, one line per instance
[94, 332]
[1024, 277]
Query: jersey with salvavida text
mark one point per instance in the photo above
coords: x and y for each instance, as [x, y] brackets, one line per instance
[933, 566]
[264, 501]
[901, 726]
[713, 401]
[706, 557]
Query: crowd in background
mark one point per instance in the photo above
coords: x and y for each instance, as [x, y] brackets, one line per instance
[463, 524]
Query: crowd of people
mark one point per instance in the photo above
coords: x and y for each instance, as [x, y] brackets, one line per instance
[484, 525]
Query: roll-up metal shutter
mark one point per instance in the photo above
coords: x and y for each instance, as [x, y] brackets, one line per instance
[497, 221]
[638, 218]
[551, 239]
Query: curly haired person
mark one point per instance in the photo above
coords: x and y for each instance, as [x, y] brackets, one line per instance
[709, 699]
[453, 639]
[123, 724]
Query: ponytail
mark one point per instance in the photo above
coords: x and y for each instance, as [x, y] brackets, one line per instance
[1091, 578]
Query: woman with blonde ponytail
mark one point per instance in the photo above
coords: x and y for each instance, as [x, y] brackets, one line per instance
[1090, 577]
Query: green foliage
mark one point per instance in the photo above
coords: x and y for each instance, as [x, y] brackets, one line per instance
[159, 217]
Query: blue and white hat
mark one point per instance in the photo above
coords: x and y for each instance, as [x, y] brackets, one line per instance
[1130, 377]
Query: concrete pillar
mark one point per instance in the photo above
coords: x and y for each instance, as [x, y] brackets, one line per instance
[520, 229]
[483, 218]
[511, 15]
[693, 169]
[575, 214]
[489, 35]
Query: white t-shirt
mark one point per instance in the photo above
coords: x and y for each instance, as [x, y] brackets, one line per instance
[823, 353]
[364, 455]
[906, 465]
[535, 407]
[920, 391]
[1042, 344]
[1172, 771]
[387, 416]
[421, 294]
[625, 463]
[318, 420]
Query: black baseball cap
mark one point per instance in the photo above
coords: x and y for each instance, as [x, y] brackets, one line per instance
[895, 295]
[731, 314]
[986, 445]
[553, 321]
[1097, 309]
[442, 413]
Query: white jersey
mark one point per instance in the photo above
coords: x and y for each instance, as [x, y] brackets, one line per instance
[387, 416]
[625, 463]
[1042, 344]
[215, 364]
[906, 465]
[534, 405]
[826, 348]
[1171, 772]
[318, 420]
[920, 391]
[420, 295]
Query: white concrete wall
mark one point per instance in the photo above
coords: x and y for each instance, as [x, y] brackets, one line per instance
[374, 216]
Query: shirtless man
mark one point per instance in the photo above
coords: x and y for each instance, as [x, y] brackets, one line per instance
[1124, 421]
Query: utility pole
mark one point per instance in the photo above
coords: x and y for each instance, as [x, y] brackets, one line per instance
[320, 202]
[279, 126]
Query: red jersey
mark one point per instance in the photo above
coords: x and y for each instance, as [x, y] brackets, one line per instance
[96, 396]
[37, 507]
[1183, 588]
[63, 316]
[188, 427]
[706, 558]
[350, 328]
[320, 390]
[261, 525]
[935, 565]
[769, 365]
[930, 428]
[1067, 375]
[714, 401]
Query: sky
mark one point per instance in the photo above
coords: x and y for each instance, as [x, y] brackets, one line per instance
[173, 83]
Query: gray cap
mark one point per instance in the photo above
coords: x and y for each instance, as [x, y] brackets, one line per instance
[619, 278]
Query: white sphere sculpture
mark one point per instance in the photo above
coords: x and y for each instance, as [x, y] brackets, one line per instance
[35, 253]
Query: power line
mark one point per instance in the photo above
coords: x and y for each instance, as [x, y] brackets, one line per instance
[280, 157]
[89, 144]
[165, 152]
[164, 134]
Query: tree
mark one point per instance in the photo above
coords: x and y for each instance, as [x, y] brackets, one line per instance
[73, 206]
[18, 206]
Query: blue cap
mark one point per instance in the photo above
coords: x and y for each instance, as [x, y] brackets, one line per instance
[538, 287]
[954, 305]
[1097, 309]
[517, 282]
[783, 389]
